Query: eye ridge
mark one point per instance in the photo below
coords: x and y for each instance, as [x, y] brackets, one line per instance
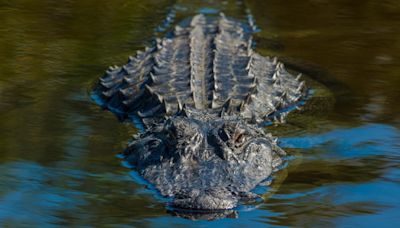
[154, 143]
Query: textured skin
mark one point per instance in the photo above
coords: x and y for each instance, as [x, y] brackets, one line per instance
[201, 94]
[205, 163]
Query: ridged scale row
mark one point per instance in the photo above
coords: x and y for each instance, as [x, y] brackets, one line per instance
[207, 64]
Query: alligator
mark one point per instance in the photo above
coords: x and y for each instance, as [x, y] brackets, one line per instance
[202, 97]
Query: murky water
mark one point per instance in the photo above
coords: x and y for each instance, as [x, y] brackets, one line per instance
[58, 150]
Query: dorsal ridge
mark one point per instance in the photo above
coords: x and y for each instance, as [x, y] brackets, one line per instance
[201, 58]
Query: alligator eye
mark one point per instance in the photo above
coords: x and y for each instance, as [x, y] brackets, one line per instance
[240, 139]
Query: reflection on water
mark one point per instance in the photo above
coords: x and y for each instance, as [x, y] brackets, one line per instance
[57, 149]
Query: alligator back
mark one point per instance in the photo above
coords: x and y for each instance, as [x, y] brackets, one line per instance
[206, 64]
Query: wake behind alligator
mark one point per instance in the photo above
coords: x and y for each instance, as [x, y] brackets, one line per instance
[202, 96]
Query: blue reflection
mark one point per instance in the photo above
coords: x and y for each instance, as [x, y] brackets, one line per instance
[29, 195]
[371, 139]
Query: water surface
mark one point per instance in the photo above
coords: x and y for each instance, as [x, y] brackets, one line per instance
[58, 150]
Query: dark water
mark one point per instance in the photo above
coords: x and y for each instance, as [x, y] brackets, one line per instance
[58, 150]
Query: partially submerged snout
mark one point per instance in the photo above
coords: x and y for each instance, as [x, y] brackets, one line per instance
[205, 164]
[210, 199]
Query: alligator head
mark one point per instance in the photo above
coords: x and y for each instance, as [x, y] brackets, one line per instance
[205, 163]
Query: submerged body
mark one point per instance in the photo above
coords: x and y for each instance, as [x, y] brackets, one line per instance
[201, 95]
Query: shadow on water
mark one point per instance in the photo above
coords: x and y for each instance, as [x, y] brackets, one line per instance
[57, 148]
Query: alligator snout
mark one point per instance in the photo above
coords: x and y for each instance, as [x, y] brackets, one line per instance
[210, 200]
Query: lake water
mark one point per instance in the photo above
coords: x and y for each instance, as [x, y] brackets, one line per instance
[58, 163]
